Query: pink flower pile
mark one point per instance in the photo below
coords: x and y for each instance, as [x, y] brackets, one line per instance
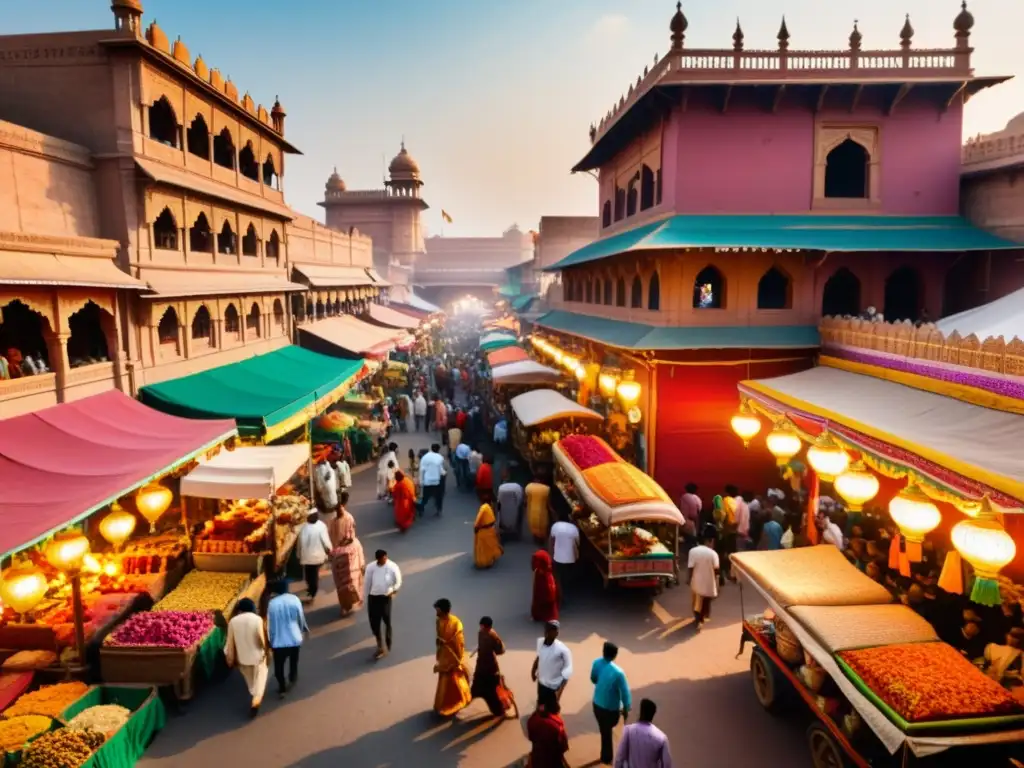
[174, 629]
[587, 451]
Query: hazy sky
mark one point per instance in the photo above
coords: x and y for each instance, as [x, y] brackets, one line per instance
[495, 98]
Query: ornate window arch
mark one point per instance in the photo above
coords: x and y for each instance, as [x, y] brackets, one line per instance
[654, 292]
[224, 150]
[636, 298]
[248, 165]
[775, 289]
[271, 178]
[278, 314]
[202, 324]
[273, 246]
[620, 292]
[841, 294]
[197, 137]
[200, 238]
[163, 122]
[606, 214]
[165, 231]
[167, 328]
[227, 240]
[253, 320]
[250, 241]
[231, 320]
[843, 147]
[709, 289]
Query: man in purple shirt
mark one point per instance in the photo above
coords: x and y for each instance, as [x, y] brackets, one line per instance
[643, 745]
[690, 505]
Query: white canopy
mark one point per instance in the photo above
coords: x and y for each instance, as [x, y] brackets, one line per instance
[245, 473]
[1002, 317]
[527, 372]
[542, 405]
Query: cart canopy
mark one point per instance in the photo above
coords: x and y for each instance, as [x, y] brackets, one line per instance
[544, 405]
[527, 372]
[245, 473]
[506, 356]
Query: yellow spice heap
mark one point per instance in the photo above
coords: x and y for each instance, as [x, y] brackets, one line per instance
[50, 700]
[15, 731]
[204, 591]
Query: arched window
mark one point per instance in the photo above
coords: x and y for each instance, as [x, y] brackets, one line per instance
[165, 231]
[247, 164]
[903, 295]
[607, 285]
[202, 324]
[773, 290]
[279, 313]
[632, 195]
[273, 246]
[606, 214]
[163, 123]
[709, 289]
[200, 238]
[841, 295]
[636, 300]
[226, 240]
[22, 329]
[846, 171]
[270, 177]
[231, 324]
[252, 320]
[88, 343]
[167, 330]
[224, 150]
[590, 291]
[620, 203]
[309, 308]
[646, 188]
[654, 292]
[250, 242]
[620, 292]
[198, 138]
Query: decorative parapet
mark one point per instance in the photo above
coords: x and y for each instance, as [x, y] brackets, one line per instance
[1005, 147]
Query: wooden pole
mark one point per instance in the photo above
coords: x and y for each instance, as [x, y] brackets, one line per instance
[76, 602]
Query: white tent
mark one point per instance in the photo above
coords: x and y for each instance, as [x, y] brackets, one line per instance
[1002, 317]
[245, 473]
[542, 405]
[526, 372]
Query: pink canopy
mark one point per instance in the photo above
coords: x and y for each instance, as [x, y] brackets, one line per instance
[61, 464]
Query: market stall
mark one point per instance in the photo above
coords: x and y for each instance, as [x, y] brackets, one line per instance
[348, 336]
[389, 317]
[629, 527]
[541, 417]
[507, 355]
[494, 340]
[525, 373]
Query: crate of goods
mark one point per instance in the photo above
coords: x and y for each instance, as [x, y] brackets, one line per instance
[206, 591]
[236, 539]
[128, 716]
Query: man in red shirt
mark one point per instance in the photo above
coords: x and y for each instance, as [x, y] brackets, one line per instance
[460, 420]
[546, 731]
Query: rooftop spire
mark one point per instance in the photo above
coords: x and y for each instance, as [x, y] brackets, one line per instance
[906, 34]
[855, 37]
[678, 27]
[783, 35]
[737, 37]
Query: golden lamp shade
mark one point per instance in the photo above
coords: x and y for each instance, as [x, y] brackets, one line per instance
[152, 501]
[117, 527]
[581, 372]
[628, 390]
[570, 362]
[984, 543]
[606, 382]
[914, 513]
[745, 424]
[22, 587]
[827, 458]
[66, 551]
[783, 442]
[857, 485]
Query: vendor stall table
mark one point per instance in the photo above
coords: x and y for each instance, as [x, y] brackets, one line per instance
[179, 668]
[125, 747]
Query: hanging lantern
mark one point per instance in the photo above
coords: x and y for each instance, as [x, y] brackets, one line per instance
[857, 485]
[628, 391]
[827, 458]
[916, 516]
[634, 415]
[607, 382]
[985, 544]
[66, 551]
[152, 501]
[783, 442]
[745, 423]
[22, 587]
[581, 372]
[969, 507]
[570, 362]
[117, 527]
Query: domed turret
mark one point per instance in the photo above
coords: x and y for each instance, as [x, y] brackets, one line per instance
[157, 38]
[127, 14]
[403, 166]
[678, 26]
[964, 22]
[335, 183]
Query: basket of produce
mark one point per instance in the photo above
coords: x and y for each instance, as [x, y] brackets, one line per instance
[786, 644]
[129, 716]
[212, 591]
[62, 748]
[50, 700]
[162, 648]
[18, 732]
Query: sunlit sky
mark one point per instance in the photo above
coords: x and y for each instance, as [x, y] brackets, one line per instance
[494, 99]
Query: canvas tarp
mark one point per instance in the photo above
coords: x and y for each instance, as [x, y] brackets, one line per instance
[352, 334]
[245, 473]
[392, 318]
[267, 395]
[506, 356]
[525, 372]
[542, 405]
[1002, 317]
[60, 464]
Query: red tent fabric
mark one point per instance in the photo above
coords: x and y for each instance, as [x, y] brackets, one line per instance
[60, 464]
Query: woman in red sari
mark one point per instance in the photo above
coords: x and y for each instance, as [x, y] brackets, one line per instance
[545, 589]
[485, 482]
[404, 496]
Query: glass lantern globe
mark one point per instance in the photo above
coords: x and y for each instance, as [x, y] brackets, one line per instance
[607, 382]
[914, 513]
[22, 587]
[66, 551]
[628, 390]
[117, 527]
[783, 442]
[857, 485]
[745, 424]
[152, 501]
[827, 458]
[984, 543]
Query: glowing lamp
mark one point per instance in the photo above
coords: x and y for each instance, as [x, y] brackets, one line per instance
[984, 543]
[857, 485]
[634, 415]
[22, 587]
[556, 355]
[581, 372]
[117, 527]
[607, 382]
[628, 391]
[916, 516]
[745, 424]
[66, 551]
[827, 458]
[152, 501]
[570, 362]
[783, 442]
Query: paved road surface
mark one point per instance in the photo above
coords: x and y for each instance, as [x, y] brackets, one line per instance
[348, 710]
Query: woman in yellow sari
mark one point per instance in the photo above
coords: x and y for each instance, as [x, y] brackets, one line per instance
[453, 691]
[486, 546]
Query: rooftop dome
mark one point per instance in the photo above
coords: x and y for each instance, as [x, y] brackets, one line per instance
[403, 164]
[128, 5]
[335, 183]
[964, 22]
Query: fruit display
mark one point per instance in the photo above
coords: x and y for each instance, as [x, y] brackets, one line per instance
[50, 700]
[63, 748]
[204, 591]
[103, 718]
[153, 554]
[16, 731]
[166, 629]
[336, 421]
[587, 451]
[244, 527]
[924, 682]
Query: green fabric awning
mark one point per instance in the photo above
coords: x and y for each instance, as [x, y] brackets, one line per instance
[790, 232]
[523, 302]
[267, 395]
[490, 346]
[625, 335]
[508, 291]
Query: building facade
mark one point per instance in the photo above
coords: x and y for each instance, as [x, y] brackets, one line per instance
[557, 237]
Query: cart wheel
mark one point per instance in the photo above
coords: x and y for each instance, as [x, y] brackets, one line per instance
[768, 682]
[825, 753]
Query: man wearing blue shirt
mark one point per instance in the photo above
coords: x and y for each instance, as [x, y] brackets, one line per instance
[611, 696]
[285, 625]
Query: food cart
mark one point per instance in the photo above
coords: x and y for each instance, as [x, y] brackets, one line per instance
[629, 527]
[541, 417]
[881, 688]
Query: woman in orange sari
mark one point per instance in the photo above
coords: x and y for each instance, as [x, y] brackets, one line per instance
[545, 590]
[404, 496]
[453, 690]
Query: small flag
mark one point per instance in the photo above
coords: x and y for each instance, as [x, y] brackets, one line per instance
[445, 216]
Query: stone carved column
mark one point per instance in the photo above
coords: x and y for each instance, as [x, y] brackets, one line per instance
[57, 350]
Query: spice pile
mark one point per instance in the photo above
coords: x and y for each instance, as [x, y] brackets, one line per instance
[204, 591]
[50, 700]
[104, 718]
[63, 748]
[171, 629]
[15, 731]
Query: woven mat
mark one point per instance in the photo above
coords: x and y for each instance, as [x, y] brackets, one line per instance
[818, 575]
[619, 483]
[847, 627]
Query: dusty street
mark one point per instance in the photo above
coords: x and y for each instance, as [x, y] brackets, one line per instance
[349, 710]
